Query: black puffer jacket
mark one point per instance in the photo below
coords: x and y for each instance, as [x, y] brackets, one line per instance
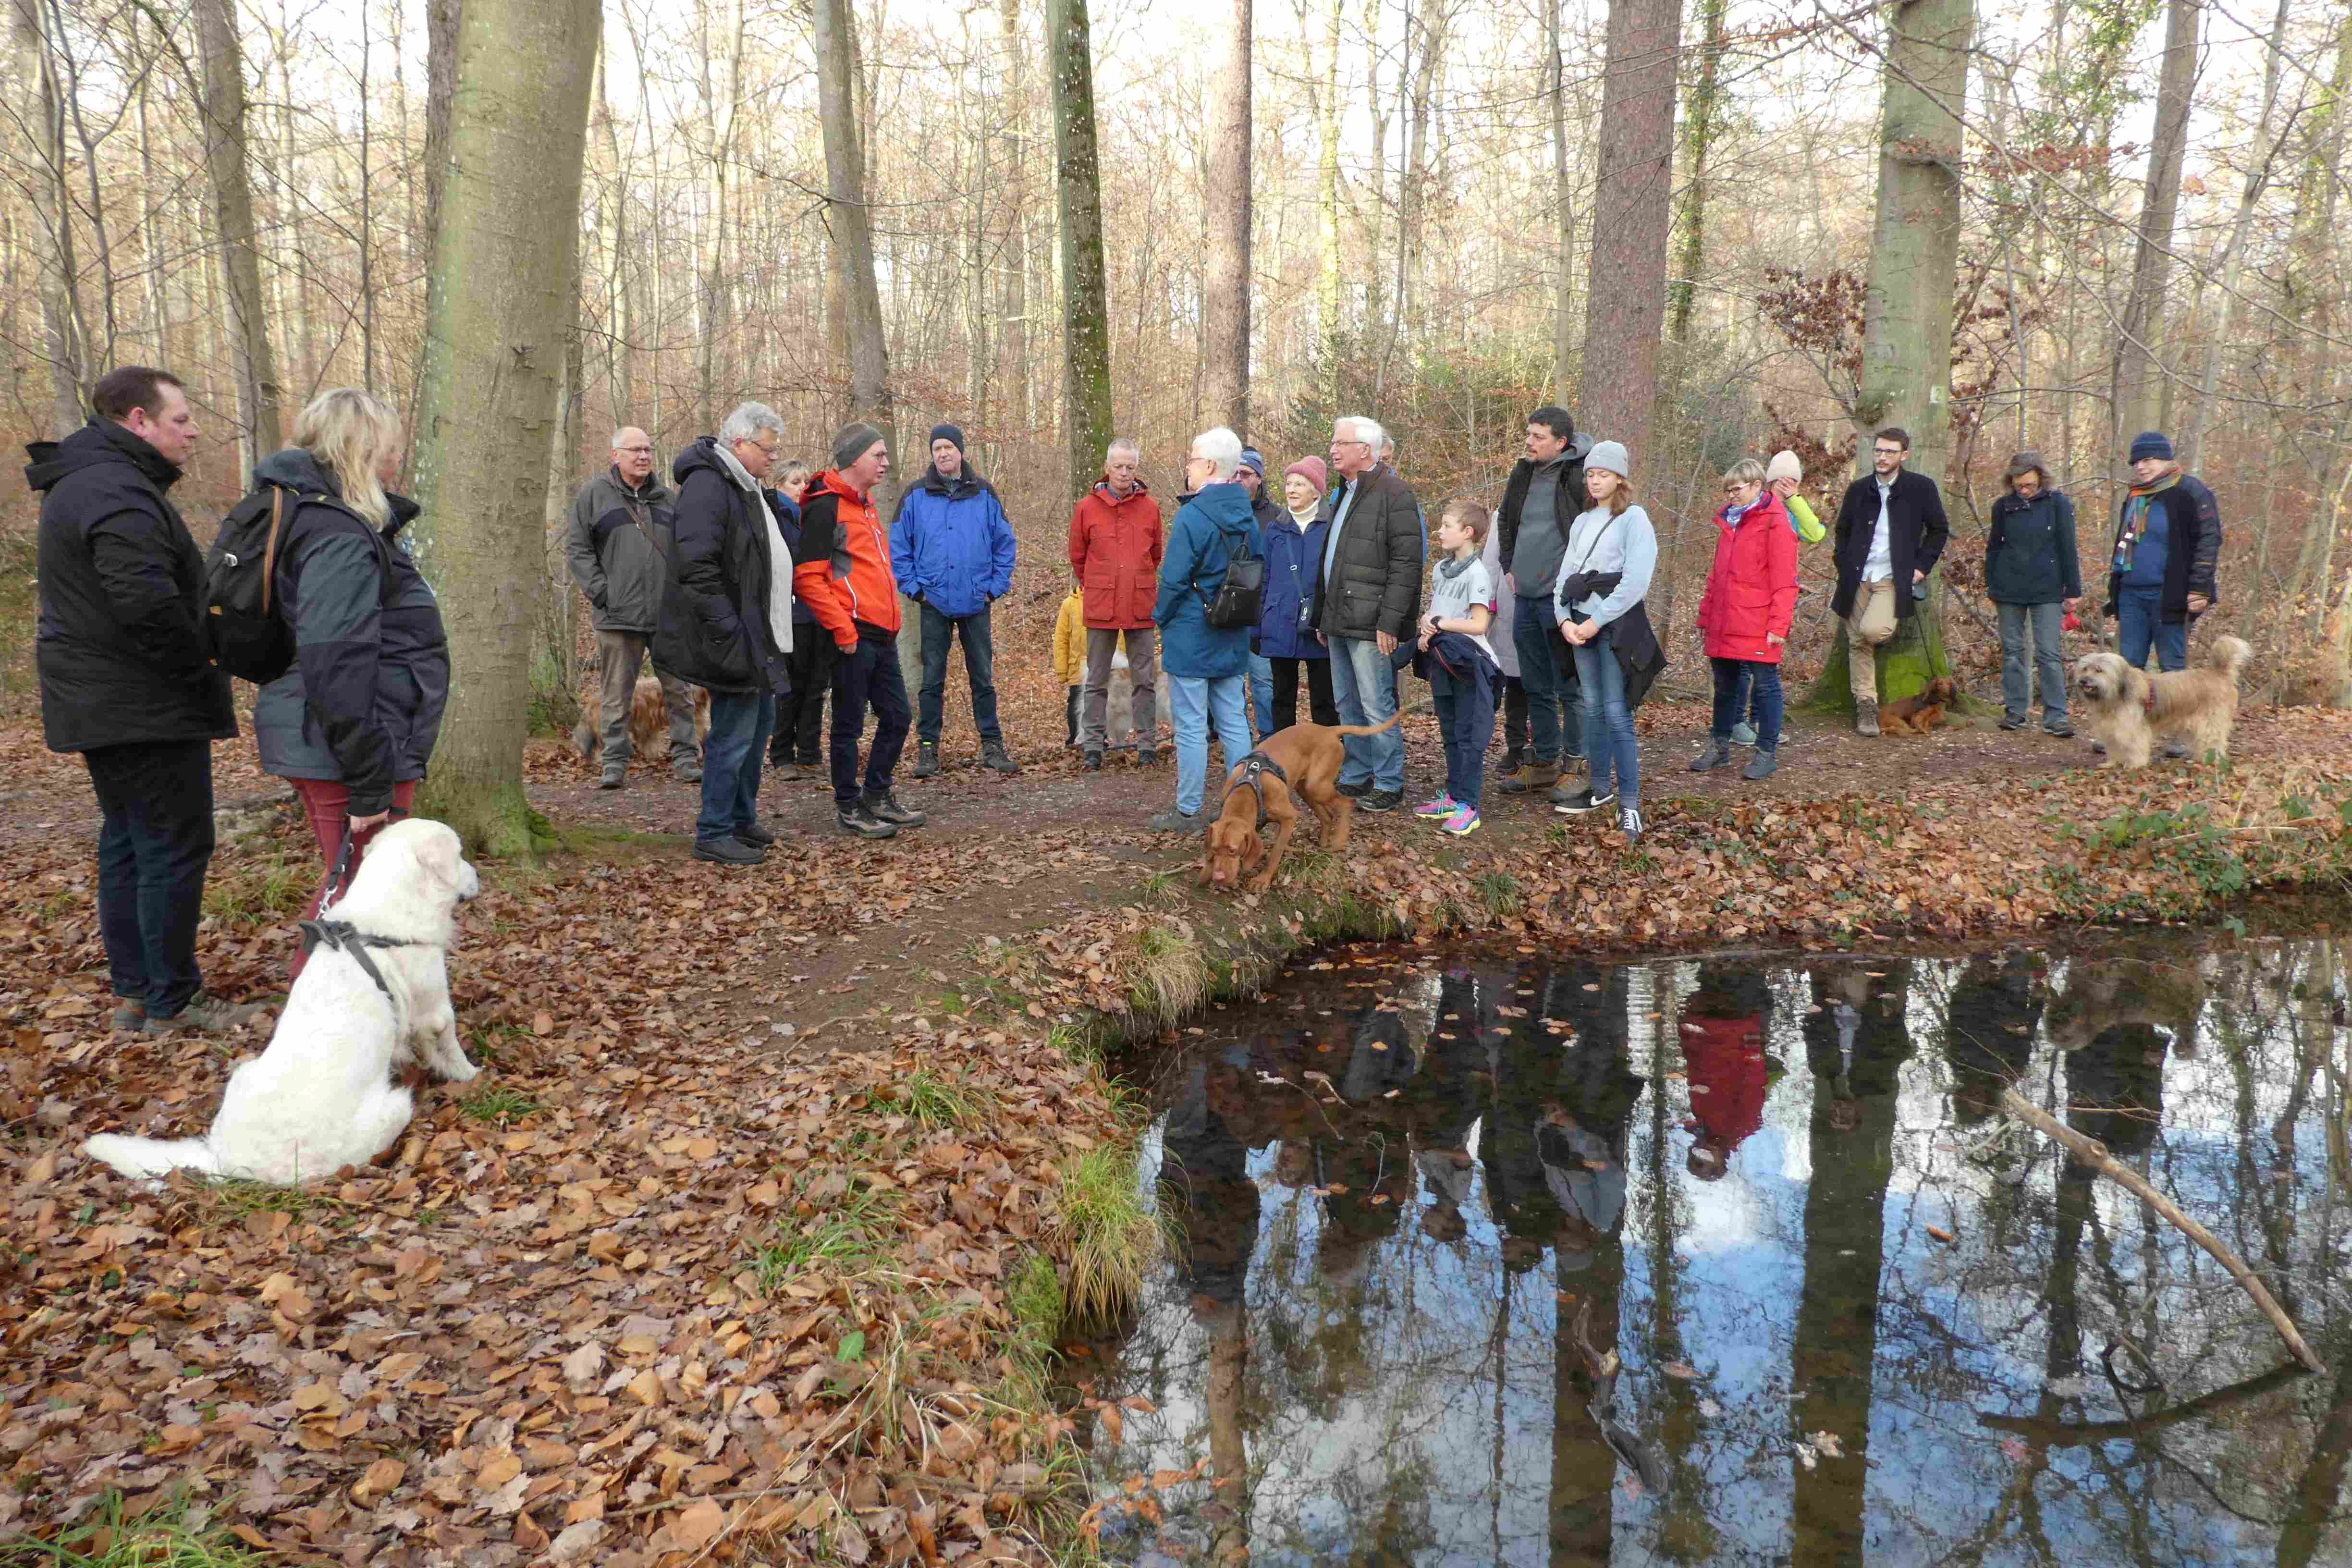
[1374, 583]
[119, 644]
[362, 704]
[715, 630]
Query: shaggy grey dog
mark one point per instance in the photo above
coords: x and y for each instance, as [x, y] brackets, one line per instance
[2129, 709]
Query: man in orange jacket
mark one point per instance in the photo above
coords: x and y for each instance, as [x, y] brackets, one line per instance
[844, 575]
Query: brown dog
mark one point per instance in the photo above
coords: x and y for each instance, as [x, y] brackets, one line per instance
[648, 719]
[1919, 712]
[1309, 757]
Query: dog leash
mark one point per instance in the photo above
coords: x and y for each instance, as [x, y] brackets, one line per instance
[341, 935]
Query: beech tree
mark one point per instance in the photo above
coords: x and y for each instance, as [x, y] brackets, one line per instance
[1225, 295]
[1078, 201]
[1625, 289]
[240, 261]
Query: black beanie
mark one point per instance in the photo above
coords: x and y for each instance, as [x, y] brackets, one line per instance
[948, 433]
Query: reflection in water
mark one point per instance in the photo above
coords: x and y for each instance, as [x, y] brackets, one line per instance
[1439, 1209]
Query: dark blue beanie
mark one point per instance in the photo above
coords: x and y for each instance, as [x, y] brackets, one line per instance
[948, 433]
[2151, 444]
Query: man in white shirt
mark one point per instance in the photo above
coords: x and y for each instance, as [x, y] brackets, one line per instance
[1890, 533]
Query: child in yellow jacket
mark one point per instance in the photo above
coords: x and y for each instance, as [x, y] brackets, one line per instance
[1070, 658]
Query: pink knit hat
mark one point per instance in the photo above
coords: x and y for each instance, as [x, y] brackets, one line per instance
[1310, 468]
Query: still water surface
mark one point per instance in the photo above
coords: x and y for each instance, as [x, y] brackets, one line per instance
[1860, 1316]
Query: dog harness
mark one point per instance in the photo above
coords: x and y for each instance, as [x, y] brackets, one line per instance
[345, 937]
[1254, 769]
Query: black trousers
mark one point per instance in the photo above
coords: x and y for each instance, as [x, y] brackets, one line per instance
[1320, 704]
[868, 677]
[1514, 716]
[154, 842]
[800, 713]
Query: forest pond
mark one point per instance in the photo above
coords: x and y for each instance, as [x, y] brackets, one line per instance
[1429, 1200]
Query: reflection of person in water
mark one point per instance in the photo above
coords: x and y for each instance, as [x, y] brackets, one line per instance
[1857, 1039]
[1204, 1176]
[1367, 1169]
[1581, 1131]
[1989, 1033]
[2114, 1087]
[1723, 1053]
[1443, 1103]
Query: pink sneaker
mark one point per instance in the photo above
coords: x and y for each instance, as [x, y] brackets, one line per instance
[1443, 806]
[1463, 822]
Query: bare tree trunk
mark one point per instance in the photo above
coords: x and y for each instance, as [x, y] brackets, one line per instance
[1625, 289]
[1086, 295]
[1700, 125]
[34, 93]
[1563, 318]
[1225, 295]
[223, 121]
[2138, 380]
[1327, 182]
[853, 229]
[501, 304]
[442, 20]
[1012, 330]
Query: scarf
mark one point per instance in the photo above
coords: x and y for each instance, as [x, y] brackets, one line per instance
[1305, 520]
[2136, 518]
[1449, 568]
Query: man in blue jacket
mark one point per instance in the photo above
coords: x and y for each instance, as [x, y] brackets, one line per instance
[1204, 665]
[951, 550]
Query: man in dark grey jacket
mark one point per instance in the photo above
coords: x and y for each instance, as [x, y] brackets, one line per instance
[1370, 588]
[618, 545]
[1545, 493]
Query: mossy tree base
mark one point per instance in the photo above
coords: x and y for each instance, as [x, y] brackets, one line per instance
[1906, 662]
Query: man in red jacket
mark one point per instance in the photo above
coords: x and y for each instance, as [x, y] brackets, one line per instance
[1115, 538]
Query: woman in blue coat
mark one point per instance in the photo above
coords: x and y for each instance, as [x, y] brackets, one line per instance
[1285, 635]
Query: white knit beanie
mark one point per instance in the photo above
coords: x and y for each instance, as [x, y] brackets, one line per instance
[1784, 466]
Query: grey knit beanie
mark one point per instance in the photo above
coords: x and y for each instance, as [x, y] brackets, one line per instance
[850, 444]
[1610, 455]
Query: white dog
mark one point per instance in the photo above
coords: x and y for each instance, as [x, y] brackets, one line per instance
[2129, 708]
[322, 1095]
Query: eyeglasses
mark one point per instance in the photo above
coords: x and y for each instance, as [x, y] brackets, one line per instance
[770, 448]
[635, 451]
[1367, 446]
[1735, 486]
[1890, 451]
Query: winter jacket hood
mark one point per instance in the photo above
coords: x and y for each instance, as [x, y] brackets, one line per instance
[1373, 582]
[845, 565]
[951, 546]
[1115, 548]
[370, 679]
[2030, 550]
[1751, 590]
[617, 541]
[1211, 528]
[119, 644]
[719, 615]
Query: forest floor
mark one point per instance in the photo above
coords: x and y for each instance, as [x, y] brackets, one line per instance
[755, 1241]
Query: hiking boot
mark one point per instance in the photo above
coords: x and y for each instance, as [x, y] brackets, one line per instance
[757, 836]
[1743, 734]
[2012, 721]
[1629, 822]
[886, 808]
[129, 1015]
[615, 776]
[858, 820]
[1540, 774]
[2174, 751]
[1760, 766]
[996, 759]
[927, 760]
[728, 851]
[206, 1014]
[686, 770]
[1866, 716]
[1147, 756]
[1513, 762]
[1174, 821]
[1092, 759]
[1380, 801]
[1355, 791]
[2061, 729]
[1716, 755]
[2099, 748]
[1578, 802]
[788, 773]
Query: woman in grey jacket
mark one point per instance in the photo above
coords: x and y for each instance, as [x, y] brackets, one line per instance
[2030, 574]
[1605, 576]
[352, 724]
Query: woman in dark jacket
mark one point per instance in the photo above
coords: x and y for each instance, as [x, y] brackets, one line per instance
[352, 724]
[793, 750]
[1285, 635]
[2030, 574]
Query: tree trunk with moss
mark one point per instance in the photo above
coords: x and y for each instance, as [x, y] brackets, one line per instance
[1086, 291]
[499, 308]
[1907, 369]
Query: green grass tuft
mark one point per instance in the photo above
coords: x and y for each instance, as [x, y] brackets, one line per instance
[161, 1537]
[1107, 1232]
[848, 1235]
[932, 1102]
[499, 1105]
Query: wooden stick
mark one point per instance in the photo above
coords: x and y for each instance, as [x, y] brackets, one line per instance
[2093, 1154]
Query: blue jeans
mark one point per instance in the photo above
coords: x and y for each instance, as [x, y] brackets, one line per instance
[154, 841]
[1194, 703]
[2139, 613]
[1261, 694]
[2045, 621]
[732, 755]
[1733, 678]
[1554, 725]
[978, 667]
[1363, 687]
[1609, 747]
[1465, 717]
[867, 677]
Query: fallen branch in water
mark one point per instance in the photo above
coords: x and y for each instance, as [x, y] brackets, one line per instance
[2093, 1154]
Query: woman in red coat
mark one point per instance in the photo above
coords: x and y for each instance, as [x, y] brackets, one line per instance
[1751, 595]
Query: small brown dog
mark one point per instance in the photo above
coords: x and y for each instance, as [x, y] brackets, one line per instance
[1919, 712]
[648, 719]
[1301, 762]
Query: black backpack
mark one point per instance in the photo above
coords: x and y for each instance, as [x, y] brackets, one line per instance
[244, 621]
[1242, 591]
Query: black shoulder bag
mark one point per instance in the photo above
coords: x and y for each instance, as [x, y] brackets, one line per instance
[1241, 595]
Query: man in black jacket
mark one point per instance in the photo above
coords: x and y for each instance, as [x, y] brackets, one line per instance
[2161, 575]
[1372, 594]
[1890, 534]
[127, 680]
[726, 622]
[617, 543]
[1545, 492]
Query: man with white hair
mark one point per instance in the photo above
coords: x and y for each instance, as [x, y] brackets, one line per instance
[726, 621]
[617, 543]
[1371, 589]
[1204, 664]
[1115, 542]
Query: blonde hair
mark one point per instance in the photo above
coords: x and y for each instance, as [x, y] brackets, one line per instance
[1748, 471]
[348, 431]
